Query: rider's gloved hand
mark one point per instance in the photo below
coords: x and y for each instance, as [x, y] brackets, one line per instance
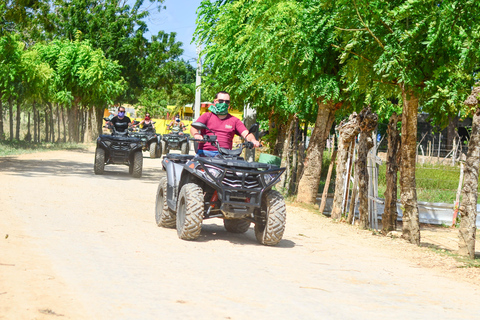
[256, 144]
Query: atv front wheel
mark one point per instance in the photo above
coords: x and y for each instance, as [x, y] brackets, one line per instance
[163, 216]
[236, 225]
[190, 212]
[184, 148]
[99, 165]
[153, 150]
[137, 164]
[269, 229]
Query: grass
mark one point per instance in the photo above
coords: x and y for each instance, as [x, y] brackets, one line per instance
[465, 261]
[14, 147]
[435, 183]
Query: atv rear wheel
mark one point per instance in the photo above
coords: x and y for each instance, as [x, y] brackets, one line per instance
[165, 147]
[99, 165]
[163, 216]
[153, 150]
[190, 212]
[184, 147]
[236, 225]
[269, 231]
[137, 164]
[159, 150]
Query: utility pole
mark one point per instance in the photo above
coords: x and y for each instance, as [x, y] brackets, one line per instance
[198, 82]
[249, 118]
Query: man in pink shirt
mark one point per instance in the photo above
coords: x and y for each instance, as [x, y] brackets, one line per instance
[223, 124]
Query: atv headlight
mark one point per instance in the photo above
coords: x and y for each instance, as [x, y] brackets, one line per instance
[107, 143]
[214, 171]
[270, 177]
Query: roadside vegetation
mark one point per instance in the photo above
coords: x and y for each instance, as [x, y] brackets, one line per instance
[9, 148]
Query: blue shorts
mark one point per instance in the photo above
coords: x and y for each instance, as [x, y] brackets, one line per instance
[206, 153]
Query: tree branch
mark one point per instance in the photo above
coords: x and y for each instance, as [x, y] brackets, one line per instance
[365, 25]
[364, 29]
[386, 26]
[333, 45]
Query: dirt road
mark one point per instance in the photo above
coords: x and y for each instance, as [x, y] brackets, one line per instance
[78, 246]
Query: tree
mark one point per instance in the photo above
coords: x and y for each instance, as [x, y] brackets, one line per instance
[414, 47]
[468, 206]
[253, 46]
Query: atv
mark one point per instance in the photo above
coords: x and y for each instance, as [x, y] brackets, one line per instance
[119, 148]
[225, 186]
[176, 141]
[151, 141]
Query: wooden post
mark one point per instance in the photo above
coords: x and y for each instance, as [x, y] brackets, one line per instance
[439, 144]
[327, 182]
[353, 200]
[349, 172]
[457, 198]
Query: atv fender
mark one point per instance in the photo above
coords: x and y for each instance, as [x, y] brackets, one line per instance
[174, 174]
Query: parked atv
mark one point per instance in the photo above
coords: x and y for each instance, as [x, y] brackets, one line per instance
[119, 148]
[226, 187]
[176, 141]
[151, 141]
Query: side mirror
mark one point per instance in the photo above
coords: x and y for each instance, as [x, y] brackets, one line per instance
[263, 133]
[254, 128]
[199, 126]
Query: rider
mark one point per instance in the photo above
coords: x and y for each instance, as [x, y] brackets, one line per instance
[147, 123]
[223, 124]
[121, 122]
[176, 125]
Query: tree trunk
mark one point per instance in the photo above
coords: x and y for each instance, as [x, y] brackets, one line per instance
[347, 133]
[28, 137]
[64, 125]
[367, 122]
[47, 127]
[286, 163]
[18, 118]
[99, 119]
[389, 217]
[301, 159]
[451, 132]
[52, 123]
[293, 183]
[2, 133]
[34, 107]
[58, 122]
[468, 206]
[308, 185]
[280, 139]
[10, 113]
[411, 224]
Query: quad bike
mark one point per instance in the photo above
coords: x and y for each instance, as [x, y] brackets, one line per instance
[119, 148]
[225, 186]
[176, 141]
[151, 141]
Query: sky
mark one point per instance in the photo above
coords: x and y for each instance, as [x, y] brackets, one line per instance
[179, 16]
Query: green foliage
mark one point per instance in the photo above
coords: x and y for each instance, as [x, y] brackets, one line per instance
[426, 45]
[81, 74]
[272, 53]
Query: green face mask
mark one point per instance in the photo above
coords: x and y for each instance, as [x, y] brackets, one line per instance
[219, 109]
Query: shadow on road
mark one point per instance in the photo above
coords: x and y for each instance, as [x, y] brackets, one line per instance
[57, 167]
[214, 232]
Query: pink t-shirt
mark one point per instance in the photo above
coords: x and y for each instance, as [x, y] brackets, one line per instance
[225, 130]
